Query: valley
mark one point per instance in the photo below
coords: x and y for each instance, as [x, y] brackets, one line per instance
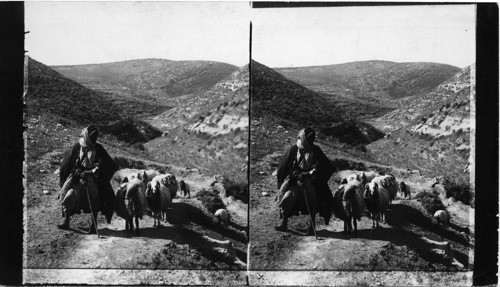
[145, 122]
[422, 134]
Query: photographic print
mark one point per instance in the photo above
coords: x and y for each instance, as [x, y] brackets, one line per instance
[136, 143]
[362, 145]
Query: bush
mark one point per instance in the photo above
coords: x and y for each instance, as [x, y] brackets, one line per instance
[211, 200]
[237, 189]
[430, 201]
[460, 190]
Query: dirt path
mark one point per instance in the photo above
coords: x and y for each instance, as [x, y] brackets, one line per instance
[406, 241]
[189, 240]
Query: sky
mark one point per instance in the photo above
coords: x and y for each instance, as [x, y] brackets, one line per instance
[69, 33]
[294, 37]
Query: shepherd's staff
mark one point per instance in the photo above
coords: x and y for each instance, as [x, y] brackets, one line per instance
[310, 214]
[91, 212]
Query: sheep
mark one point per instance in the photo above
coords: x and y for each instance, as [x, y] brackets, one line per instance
[376, 201]
[130, 203]
[348, 205]
[441, 217]
[171, 183]
[146, 175]
[389, 183]
[363, 177]
[222, 216]
[404, 189]
[185, 188]
[160, 192]
[159, 199]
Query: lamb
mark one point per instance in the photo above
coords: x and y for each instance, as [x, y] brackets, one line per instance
[389, 183]
[185, 188]
[405, 189]
[441, 217]
[348, 205]
[130, 203]
[376, 201]
[222, 216]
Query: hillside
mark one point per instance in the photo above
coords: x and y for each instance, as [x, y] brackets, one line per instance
[379, 81]
[50, 94]
[138, 135]
[209, 130]
[149, 78]
[49, 91]
[407, 240]
[275, 96]
[432, 133]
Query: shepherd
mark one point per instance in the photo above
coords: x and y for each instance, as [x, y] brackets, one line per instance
[84, 177]
[303, 175]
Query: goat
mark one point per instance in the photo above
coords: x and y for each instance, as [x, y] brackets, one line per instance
[348, 205]
[404, 189]
[376, 201]
[130, 203]
[185, 188]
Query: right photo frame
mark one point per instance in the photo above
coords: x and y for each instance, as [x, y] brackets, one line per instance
[362, 145]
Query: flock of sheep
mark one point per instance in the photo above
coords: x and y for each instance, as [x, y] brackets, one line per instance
[151, 192]
[360, 192]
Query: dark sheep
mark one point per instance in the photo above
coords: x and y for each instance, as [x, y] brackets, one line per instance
[348, 205]
[130, 203]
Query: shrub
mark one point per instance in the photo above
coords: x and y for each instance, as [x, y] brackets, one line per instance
[459, 189]
[237, 189]
[211, 200]
[430, 201]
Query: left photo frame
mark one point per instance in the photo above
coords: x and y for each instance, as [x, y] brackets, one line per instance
[136, 143]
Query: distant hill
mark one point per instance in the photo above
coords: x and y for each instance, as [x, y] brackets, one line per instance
[276, 96]
[157, 76]
[49, 91]
[52, 94]
[372, 80]
[432, 132]
[207, 130]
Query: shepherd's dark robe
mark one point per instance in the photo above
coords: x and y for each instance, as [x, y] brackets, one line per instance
[324, 170]
[107, 167]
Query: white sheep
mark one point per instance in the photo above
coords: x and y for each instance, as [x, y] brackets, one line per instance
[441, 217]
[159, 198]
[146, 175]
[222, 216]
[389, 183]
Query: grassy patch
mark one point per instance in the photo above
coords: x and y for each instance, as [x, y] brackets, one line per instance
[430, 201]
[211, 200]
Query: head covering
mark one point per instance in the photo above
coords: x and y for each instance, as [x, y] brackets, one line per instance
[88, 136]
[305, 138]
